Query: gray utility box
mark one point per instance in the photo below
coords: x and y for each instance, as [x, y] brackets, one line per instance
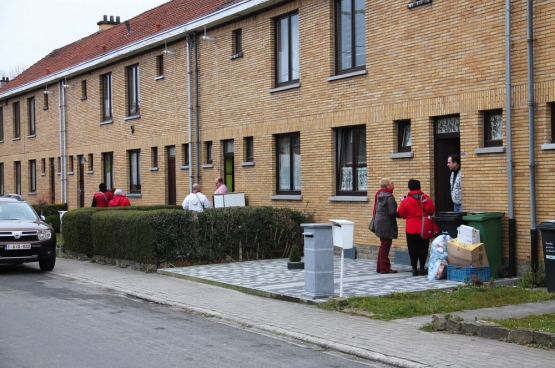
[318, 261]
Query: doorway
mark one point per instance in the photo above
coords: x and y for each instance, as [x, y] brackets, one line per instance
[229, 178]
[447, 141]
[171, 180]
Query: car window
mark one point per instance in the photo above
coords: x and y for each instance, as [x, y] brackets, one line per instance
[17, 211]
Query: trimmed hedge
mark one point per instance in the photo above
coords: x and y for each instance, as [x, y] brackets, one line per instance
[51, 214]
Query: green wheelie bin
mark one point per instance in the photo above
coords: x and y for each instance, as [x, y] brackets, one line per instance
[489, 225]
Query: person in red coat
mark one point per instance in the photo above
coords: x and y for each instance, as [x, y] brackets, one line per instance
[415, 205]
[119, 200]
[102, 197]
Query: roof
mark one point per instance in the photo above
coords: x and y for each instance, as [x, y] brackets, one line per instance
[168, 15]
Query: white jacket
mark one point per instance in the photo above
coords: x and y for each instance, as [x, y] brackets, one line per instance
[196, 202]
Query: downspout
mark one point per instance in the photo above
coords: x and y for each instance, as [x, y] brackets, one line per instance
[508, 107]
[62, 118]
[189, 114]
[533, 230]
[196, 108]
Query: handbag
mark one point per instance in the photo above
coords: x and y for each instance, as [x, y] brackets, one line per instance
[372, 227]
[429, 226]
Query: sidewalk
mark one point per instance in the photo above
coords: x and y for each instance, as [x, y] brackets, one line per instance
[397, 343]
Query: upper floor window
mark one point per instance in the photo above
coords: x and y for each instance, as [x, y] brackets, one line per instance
[351, 161]
[287, 49]
[16, 122]
[45, 101]
[249, 149]
[159, 65]
[404, 136]
[135, 171]
[32, 175]
[133, 90]
[288, 157]
[1, 124]
[237, 41]
[31, 114]
[493, 128]
[350, 29]
[83, 89]
[106, 81]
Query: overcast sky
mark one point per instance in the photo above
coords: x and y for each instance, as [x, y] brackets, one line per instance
[31, 29]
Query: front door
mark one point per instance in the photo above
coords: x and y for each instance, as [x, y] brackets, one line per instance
[171, 175]
[447, 141]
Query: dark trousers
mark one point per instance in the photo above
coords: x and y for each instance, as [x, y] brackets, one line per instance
[384, 265]
[418, 249]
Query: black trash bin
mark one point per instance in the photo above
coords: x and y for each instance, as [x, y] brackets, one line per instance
[449, 221]
[548, 241]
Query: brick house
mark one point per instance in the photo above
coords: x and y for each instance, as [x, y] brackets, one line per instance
[193, 90]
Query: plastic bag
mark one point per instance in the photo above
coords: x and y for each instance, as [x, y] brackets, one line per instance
[437, 263]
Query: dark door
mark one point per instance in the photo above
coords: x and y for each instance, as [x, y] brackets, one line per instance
[171, 181]
[52, 181]
[81, 182]
[447, 141]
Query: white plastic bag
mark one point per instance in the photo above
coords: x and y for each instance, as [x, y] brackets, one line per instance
[437, 263]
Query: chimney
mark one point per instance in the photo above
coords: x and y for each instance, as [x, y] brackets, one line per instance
[4, 81]
[105, 24]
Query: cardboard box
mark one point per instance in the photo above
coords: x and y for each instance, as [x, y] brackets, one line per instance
[460, 254]
[468, 235]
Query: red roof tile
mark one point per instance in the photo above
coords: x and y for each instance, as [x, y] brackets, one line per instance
[168, 15]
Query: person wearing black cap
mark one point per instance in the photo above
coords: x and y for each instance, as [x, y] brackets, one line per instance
[102, 197]
[412, 208]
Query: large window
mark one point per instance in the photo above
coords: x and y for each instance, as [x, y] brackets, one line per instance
[1, 124]
[106, 80]
[17, 176]
[404, 136]
[287, 49]
[135, 171]
[350, 28]
[351, 161]
[31, 115]
[288, 163]
[16, 121]
[32, 175]
[108, 169]
[493, 128]
[133, 90]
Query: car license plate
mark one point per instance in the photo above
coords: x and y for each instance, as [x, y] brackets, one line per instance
[17, 246]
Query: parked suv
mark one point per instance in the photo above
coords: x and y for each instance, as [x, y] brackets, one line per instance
[24, 236]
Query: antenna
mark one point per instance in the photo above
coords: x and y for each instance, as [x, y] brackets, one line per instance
[207, 38]
[168, 52]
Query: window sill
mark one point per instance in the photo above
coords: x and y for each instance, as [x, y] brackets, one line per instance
[153, 169]
[42, 174]
[16, 139]
[486, 150]
[348, 75]
[286, 197]
[58, 174]
[284, 88]
[32, 193]
[110, 121]
[90, 172]
[548, 146]
[207, 166]
[83, 98]
[134, 195]
[236, 56]
[70, 173]
[44, 108]
[31, 136]
[160, 77]
[184, 167]
[348, 199]
[250, 163]
[132, 117]
[395, 155]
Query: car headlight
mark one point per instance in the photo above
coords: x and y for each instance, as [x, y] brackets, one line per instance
[44, 234]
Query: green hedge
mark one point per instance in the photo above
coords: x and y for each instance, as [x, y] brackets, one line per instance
[51, 214]
[152, 234]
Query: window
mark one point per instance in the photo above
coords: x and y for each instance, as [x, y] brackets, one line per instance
[552, 123]
[32, 175]
[493, 128]
[17, 177]
[43, 166]
[404, 136]
[70, 164]
[45, 101]
[249, 149]
[91, 157]
[135, 171]
[1, 178]
[154, 157]
[83, 90]
[60, 164]
[106, 96]
[238, 42]
[288, 163]
[160, 65]
[209, 153]
[32, 122]
[351, 161]
[350, 29]
[108, 169]
[1, 124]
[185, 148]
[133, 91]
[287, 49]
[16, 122]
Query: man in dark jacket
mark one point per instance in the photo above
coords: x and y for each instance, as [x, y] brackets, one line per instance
[102, 197]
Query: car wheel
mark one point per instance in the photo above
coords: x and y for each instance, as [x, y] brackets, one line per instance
[47, 264]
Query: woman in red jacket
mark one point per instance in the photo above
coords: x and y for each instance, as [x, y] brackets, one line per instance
[415, 205]
[119, 200]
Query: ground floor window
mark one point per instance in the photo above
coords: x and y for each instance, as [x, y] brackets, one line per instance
[351, 161]
[288, 163]
[135, 171]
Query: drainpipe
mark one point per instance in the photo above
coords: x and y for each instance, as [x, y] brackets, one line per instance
[533, 230]
[197, 107]
[189, 114]
[508, 107]
[62, 119]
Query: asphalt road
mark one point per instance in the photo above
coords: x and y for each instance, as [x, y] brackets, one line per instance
[53, 322]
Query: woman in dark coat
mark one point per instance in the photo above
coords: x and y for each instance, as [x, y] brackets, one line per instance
[385, 223]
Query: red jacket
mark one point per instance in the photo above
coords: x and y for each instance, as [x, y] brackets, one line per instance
[411, 210]
[119, 201]
[101, 199]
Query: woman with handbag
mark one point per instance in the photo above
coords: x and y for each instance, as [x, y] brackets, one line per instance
[385, 223]
[415, 208]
